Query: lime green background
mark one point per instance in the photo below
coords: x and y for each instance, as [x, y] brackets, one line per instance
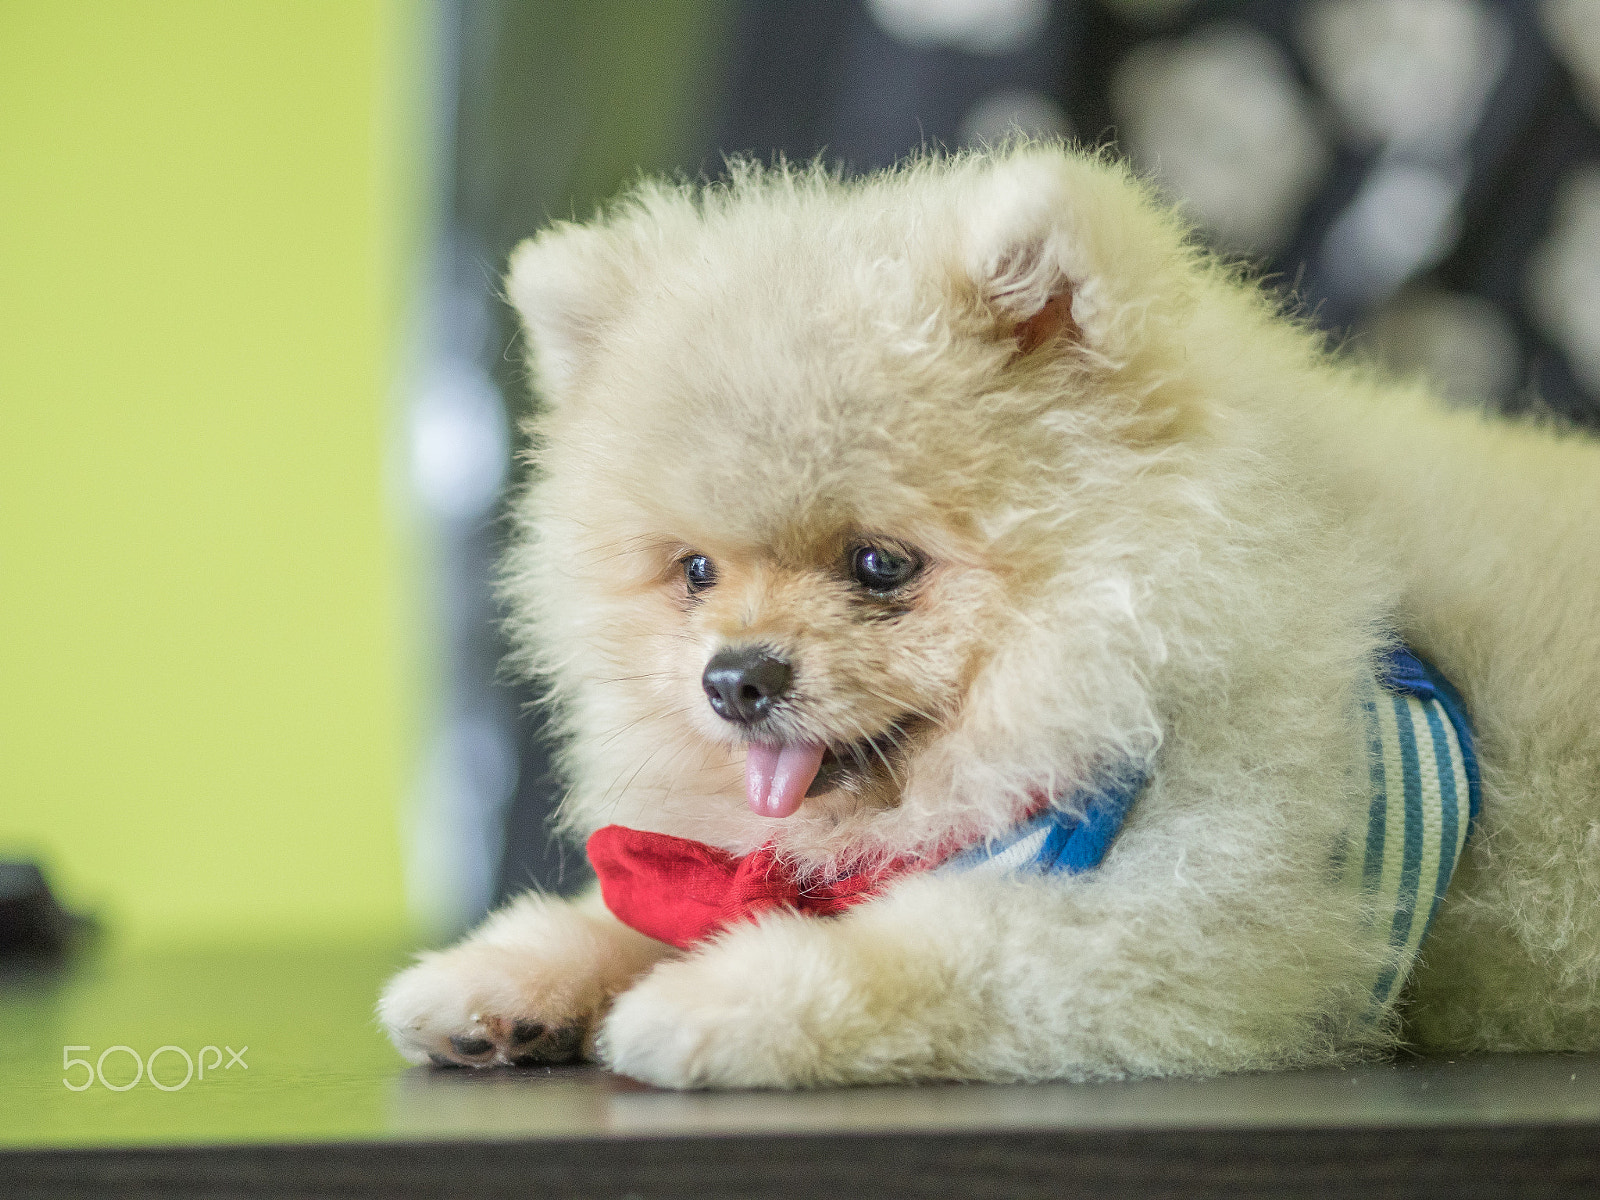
[207, 213]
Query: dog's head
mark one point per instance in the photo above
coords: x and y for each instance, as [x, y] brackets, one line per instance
[831, 536]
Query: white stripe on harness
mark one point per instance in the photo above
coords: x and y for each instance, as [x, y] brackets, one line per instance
[1422, 799]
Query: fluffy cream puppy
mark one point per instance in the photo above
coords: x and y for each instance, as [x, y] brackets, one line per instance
[875, 520]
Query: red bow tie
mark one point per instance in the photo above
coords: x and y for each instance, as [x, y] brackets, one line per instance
[680, 891]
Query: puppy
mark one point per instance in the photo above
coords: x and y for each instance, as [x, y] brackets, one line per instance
[992, 642]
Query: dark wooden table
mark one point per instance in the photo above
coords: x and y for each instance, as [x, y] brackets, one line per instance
[305, 1098]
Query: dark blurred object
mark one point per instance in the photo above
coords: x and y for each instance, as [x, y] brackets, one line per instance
[32, 921]
[864, 85]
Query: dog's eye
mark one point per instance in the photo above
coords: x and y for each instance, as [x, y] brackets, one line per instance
[881, 570]
[698, 572]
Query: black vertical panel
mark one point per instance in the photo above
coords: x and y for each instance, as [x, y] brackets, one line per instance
[777, 96]
[556, 105]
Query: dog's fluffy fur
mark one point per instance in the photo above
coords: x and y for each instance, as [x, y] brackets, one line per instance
[1157, 519]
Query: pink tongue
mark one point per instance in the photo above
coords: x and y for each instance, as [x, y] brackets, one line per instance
[776, 777]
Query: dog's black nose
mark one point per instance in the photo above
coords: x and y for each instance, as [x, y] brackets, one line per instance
[742, 683]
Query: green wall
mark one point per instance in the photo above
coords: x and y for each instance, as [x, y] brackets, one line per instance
[206, 213]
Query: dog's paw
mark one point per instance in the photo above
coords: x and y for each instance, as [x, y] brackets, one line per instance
[527, 988]
[767, 1006]
[485, 1005]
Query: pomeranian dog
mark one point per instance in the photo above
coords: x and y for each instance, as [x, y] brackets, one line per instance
[993, 642]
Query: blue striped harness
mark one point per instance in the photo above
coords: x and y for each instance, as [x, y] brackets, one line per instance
[1421, 767]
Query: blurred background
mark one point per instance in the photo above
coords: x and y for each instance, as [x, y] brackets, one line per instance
[258, 390]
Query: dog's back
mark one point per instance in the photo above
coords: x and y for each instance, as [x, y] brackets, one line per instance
[1493, 530]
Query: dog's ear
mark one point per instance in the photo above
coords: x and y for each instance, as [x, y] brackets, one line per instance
[1020, 249]
[565, 284]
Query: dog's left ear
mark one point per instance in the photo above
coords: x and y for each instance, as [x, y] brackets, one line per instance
[1019, 247]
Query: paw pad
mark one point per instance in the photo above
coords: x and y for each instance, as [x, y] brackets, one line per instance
[546, 1046]
[496, 1041]
[471, 1047]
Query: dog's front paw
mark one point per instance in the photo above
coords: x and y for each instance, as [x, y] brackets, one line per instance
[762, 1006]
[527, 988]
[485, 1005]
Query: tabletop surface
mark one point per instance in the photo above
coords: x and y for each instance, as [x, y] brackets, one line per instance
[298, 1058]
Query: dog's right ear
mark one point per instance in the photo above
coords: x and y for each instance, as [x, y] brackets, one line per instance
[1020, 248]
[565, 284]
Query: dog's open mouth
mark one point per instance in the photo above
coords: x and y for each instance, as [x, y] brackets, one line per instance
[778, 778]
